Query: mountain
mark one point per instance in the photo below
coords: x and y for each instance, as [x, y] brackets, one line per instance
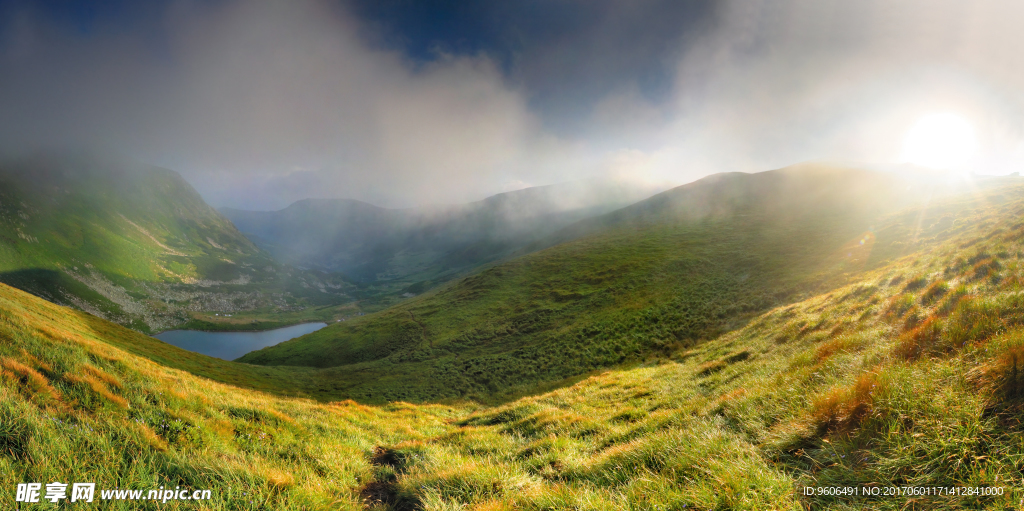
[898, 382]
[683, 266]
[423, 246]
[135, 244]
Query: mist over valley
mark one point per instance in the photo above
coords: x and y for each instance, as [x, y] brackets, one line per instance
[428, 244]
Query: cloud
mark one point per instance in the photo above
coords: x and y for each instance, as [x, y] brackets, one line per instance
[258, 98]
[281, 87]
[260, 103]
[781, 82]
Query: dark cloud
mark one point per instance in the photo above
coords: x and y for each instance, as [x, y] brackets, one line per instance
[564, 54]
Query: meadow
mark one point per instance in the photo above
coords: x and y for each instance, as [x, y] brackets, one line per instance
[900, 368]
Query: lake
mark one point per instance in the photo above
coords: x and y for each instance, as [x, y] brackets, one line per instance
[231, 345]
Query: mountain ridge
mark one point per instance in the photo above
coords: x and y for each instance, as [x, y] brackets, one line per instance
[424, 245]
[131, 242]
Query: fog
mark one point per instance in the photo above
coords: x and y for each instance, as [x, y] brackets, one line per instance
[261, 103]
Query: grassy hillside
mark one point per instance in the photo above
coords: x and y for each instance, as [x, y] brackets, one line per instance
[422, 247]
[680, 267]
[77, 406]
[909, 375]
[136, 244]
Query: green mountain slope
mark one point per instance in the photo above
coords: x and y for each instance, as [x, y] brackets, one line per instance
[906, 378]
[424, 246]
[680, 267]
[135, 244]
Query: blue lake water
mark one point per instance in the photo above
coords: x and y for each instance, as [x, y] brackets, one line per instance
[231, 345]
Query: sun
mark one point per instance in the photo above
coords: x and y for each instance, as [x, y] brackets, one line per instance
[940, 141]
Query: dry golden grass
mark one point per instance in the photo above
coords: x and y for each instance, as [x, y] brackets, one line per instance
[151, 438]
[98, 386]
[105, 377]
[919, 341]
[33, 382]
[279, 478]
[493, 505]
[843, 408]
[1004, 375]
[733, 395]
[35, 361]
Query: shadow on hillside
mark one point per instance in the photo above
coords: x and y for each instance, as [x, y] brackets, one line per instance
[62, 289]
[50, 285]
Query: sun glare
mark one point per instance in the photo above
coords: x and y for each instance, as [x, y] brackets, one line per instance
[940, 141]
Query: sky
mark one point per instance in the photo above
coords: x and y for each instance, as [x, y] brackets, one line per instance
[259, 103]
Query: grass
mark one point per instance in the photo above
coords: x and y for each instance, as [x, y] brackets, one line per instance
[822, 392]
[906, 373]
[76, 407]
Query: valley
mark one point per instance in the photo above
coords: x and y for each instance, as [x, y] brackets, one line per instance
[666, 273]
[892, 366]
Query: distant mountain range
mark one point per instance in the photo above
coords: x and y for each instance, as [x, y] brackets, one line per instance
[430, 244]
